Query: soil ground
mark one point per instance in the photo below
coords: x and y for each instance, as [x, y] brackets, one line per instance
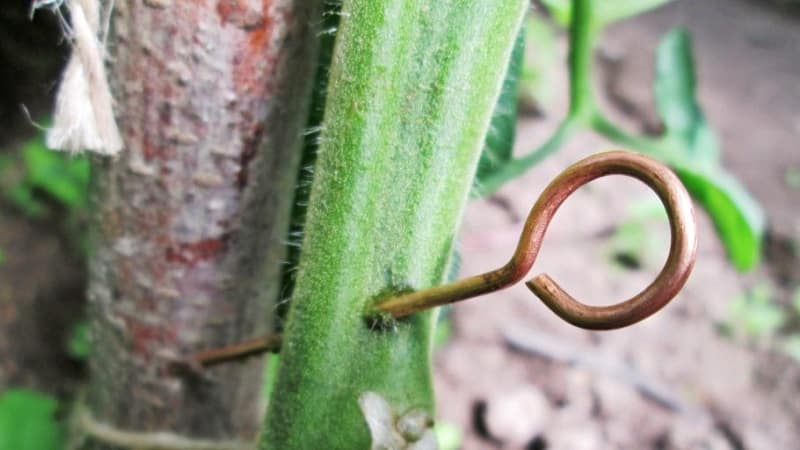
[513, 376]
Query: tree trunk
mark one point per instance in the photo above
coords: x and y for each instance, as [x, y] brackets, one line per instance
[190, 223]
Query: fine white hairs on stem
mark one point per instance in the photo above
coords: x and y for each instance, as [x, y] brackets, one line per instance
[84, 119]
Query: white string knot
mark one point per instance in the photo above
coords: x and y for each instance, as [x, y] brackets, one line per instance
[84, 119]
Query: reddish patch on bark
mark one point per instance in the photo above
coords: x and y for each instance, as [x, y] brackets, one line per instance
[238, 12]
[190, 253]
[144, 336]
[254, 64]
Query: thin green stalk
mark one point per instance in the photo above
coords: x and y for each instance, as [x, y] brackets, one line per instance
[655, 147]
[582, 106]
[582, 37]
[411, 91]
[518, 166]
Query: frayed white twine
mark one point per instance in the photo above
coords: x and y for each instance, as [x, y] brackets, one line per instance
[84, 119]
[159, 440]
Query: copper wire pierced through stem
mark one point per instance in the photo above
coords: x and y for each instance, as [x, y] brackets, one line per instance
[669, 281]
[240, 350]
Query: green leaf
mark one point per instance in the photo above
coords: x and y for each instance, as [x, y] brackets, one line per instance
[675, 88]
[63, 177]
[737, 217]
[78, 343]
[756, 313]
[450, 436]
[796, 300]
[560, 10]
[27, 421]
[633, 243]
[499, 143]
[21, 196]
[607, 11]
[792, 177]
[539, 68]
[791, 346]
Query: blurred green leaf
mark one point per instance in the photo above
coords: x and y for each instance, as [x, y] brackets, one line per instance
[756, 313]
[675, 88]
[42, 173]
[499, 142]
[737, 217]
[21, 196]
[27, 421]
[796, 300]
[791, 346]
[78, 344]
[607, 12]
[63, 177]
[449, 436]
[560, 10]
[443, 331]
[539, 67]
[792, 177]
[633, 243]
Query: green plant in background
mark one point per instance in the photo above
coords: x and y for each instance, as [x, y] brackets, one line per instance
[78, 343]
[792, 177]
[28, 421]
[42, 185]
[791, 343]
[40, 177]
[755, 313]
[688, 145]
[536, 78]
[449, 436]
[633, 243]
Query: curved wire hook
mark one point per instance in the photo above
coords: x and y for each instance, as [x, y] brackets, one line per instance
[669, 281]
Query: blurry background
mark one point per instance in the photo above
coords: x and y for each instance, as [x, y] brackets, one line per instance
[719, 368]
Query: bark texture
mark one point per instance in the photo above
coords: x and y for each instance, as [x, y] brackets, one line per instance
[190, 223]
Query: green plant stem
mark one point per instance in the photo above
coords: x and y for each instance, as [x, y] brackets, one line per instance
[411, 91]
[518, 166]
[582, 37]
[657, 148]
[582, 105]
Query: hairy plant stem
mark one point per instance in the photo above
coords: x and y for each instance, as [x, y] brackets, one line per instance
[411, 91]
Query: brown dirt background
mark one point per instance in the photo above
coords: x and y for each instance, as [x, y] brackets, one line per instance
[721, 393]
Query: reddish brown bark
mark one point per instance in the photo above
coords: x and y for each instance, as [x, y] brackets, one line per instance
[190, 222]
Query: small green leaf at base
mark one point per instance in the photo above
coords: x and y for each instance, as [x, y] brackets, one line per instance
[27, 421]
